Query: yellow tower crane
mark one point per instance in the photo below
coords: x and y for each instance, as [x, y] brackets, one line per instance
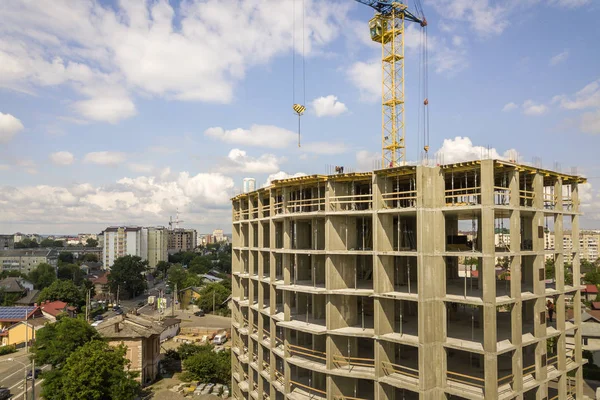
[387, 28]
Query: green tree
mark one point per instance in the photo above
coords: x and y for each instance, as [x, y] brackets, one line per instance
[186, 350]
[90, 257]
[550, 269]
[65, 291]
[27, 244]
[209, 366]
[200, 265]
[70, 272]
[128, 275]
[183, 257]
[162, 267]
[96, 371]
[91, 242]
[587, 266]
[592, 277]
[42, 276]
[176, 275]
[65, 257]
[210, 292]
[55, 342]
[51, 243]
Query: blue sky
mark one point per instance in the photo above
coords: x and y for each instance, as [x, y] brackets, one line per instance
[122, 112]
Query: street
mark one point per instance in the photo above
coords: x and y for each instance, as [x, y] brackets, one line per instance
[12, 374]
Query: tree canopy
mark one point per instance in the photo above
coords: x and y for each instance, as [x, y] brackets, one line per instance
[54, 343]
[91, 242]
[95, 371]
[91, 257]
[70, 272]
[51, 243]
[220, 292]
[27, 244]
[204, 364]
[128, 273]
[42, 276]
[200, 265]
[177, 276]
[65, 291]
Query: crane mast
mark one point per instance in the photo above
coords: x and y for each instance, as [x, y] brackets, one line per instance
[387, 28]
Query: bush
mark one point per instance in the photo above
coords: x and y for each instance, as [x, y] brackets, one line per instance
[7, 349]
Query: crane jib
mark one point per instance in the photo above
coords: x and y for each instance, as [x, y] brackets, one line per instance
[385, 7]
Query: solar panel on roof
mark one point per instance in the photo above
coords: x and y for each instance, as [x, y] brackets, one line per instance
[15, 312]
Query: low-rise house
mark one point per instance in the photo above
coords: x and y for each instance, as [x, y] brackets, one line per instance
[141, 336]
[20, 290]
[589, 293]
[10, 316]
[100, 283]
[91, 268]
[52, 309]
[188, 296]
[172, 327]
[21, 332]
[590, 334]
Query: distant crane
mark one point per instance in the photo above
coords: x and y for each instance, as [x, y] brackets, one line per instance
[177, 221]
[387, 28]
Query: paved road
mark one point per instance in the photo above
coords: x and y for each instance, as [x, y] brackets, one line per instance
[12, 374]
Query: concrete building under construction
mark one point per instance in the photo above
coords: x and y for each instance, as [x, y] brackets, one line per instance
[365, 286]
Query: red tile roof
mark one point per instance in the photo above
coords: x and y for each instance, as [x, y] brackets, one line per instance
[596, 305]
[589, 288]
[100, 279]
[54, 308]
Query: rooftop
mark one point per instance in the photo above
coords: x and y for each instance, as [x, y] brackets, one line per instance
[16, 314]
[11, 285]
[129, 326]
[29, 253]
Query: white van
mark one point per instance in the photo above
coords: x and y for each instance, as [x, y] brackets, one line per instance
[220, 339]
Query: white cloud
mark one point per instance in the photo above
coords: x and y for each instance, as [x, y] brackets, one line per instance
[109, 109]
[367, 78]
[462, 149]
[184, 52]
[141, 168]
[324, 148]
[484, 18]
[570, 3]
[105, 158]
[533, 109]
[28, 165]
[509, 107]
[62, 158]
[9, 127]
[587, 98]
[560, 57]
[257, 135]
[239, 161]
[367, 161]
[281, 175]
[146, 200]
[328, 106]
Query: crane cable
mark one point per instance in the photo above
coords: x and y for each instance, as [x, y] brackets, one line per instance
[423, 79]
[299, 109]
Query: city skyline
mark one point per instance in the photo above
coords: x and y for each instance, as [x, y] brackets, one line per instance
[130, 113]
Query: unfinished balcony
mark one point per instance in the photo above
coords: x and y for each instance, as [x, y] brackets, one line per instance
[401, 393]
[353, 356]
[307, 273]
[399, 191]
[352, 389]
[351, 315]
[401, 365]
[463, 232]
[351, 196]
[279, 345]
[266, 235]
[265, 335]
[464, 326]
[306, 199]
[307, 312]
[526, 190]
[397, 233]
[278, 202]
[502, 192]
[307, 234]
[307, 350]
[265, 303]
[279, 304]
[530, 374]
[306, 384]
[350, 233]
[401, 277]
[265, 206]
[462, 188]
[465, 373]
[351, 275]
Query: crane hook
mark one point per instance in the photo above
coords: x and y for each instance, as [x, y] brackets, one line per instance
[299, 109]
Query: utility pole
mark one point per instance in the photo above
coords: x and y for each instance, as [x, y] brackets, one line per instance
[33, 379]
[87, 305]
[118, 288]
[173, 301]
[214, 302]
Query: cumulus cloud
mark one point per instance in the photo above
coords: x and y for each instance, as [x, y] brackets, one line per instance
[139, 167]
[257, 135]
[570, 3]
[366, 77]
[62, 158]
[367, 160]
[559, 58]
[239, 161]
[9, 127]
[509, 107]
[324, 148]
[533, 109]
[151, 48]
[145, 200]
[328, 106]
[587, 98]
[105, 158]
[484, 18]
[281, 175]
[462, 149]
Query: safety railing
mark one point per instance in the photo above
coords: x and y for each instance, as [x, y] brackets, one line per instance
[265, 210]
[265, 396]
[342, 397]
[526, 198]
[255, 358]
[279, 377]
[314, 355]
[306, 205]
[279, 342]
[266, 334]
[236, 215]
[501, 196]
[254, 328]
[352, 202]
[313, 390]
[278, 207]
[550, 201]
[469, 196]
[265, 365]
[552, 362]
[403, 199]
[529, 370]
[244, 214]
[390, 368]
[505, 380]
[472, 381]
[344, 361]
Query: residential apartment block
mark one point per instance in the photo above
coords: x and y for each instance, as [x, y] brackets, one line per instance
[158, 241]
[588, 244]
[182, 240]
[7, 242]
[148, 243]
[347, 286]
[24, 260]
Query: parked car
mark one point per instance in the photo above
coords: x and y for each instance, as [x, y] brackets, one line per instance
[98, 318]
[220, 339]
[199, 313]
[118, 311]
[141, 304]
[5, 393]
[115, 308]
[30, 374]
[96, 323]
